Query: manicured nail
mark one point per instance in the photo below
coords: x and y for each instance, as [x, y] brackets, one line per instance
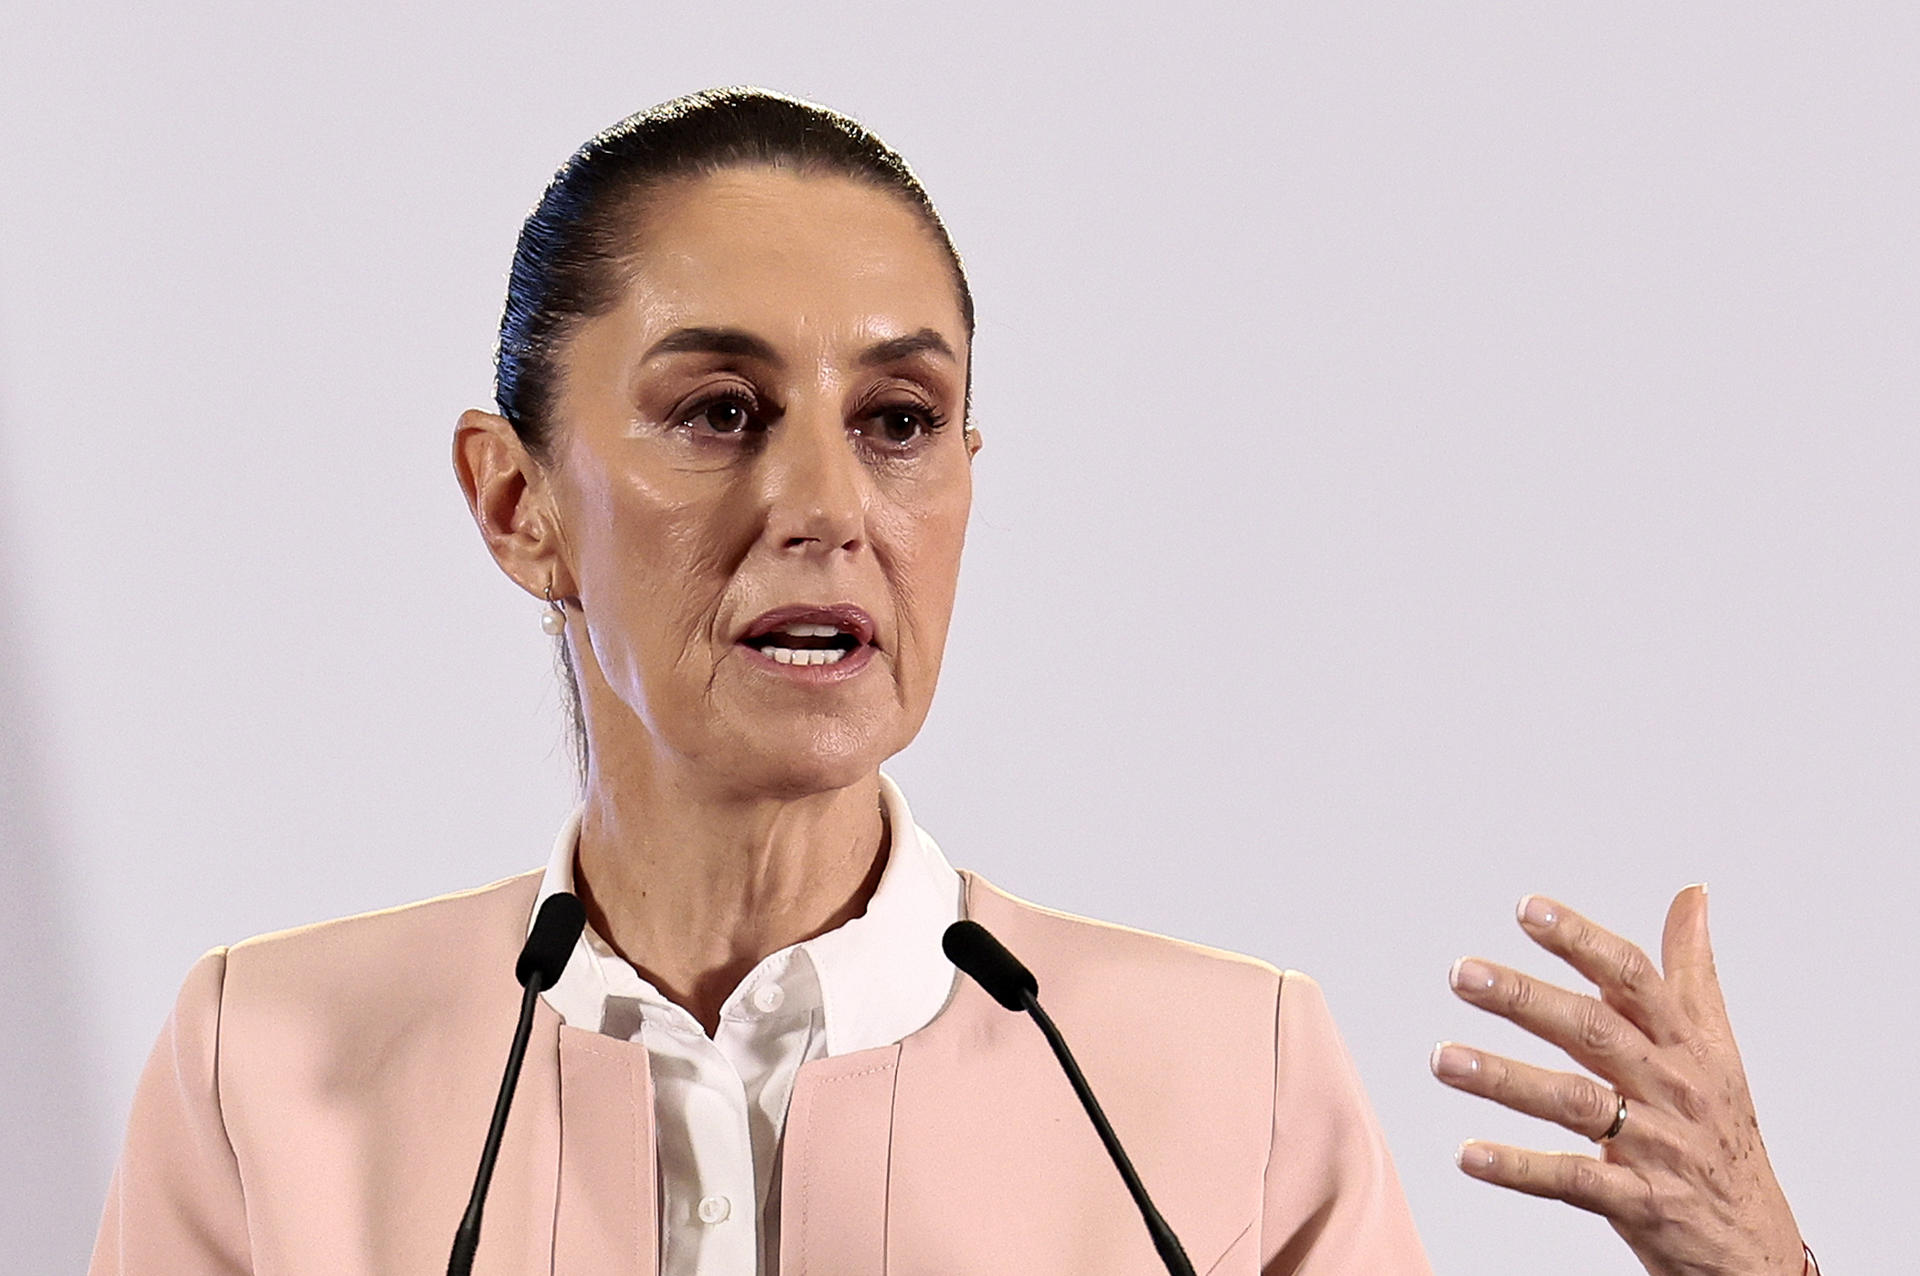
[1474, 1158]
[1470, 974]
[1538, 911]
[1452, 1062]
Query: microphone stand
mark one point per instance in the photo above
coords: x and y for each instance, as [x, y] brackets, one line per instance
[556, 928]
[466, 1240]
[1172, 1253]
[973, 948]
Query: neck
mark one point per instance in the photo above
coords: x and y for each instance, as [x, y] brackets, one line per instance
[694, 885]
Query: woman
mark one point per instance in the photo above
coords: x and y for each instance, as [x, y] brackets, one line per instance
[732, 458]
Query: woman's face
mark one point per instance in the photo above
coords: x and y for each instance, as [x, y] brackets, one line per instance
[761, 481]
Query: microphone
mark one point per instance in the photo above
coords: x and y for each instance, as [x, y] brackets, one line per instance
[556, 929]
[985, 960]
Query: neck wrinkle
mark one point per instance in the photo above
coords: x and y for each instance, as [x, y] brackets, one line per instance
[694, 891]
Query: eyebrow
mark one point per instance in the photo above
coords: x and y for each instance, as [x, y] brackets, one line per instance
[743, 344]
[925, 341]
[734, 341]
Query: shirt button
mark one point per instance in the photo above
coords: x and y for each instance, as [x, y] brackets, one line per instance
[767, 998]
[714, 1209]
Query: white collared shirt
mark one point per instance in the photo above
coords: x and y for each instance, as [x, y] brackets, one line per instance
[720, 1102]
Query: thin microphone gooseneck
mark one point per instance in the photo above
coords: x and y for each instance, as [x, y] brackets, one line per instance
[555, 931]
[972, 948]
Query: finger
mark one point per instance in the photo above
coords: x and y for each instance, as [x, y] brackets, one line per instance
[1596, 1035]
[1567, 1099]
[1583, 1181]
[1624, 974]
[1686, 954]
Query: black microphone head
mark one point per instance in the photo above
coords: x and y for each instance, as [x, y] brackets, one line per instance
[972, 948]
[555, 931]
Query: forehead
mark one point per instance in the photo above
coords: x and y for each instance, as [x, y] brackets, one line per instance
[787, 253]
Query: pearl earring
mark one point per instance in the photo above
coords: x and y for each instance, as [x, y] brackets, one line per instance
[554, 619]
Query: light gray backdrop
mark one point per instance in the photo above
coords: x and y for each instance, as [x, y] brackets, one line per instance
[1434, 452]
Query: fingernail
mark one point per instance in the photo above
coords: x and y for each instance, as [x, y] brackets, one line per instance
[1470, 974]
[1538, 911]
[1473, 1157]
[1452, 1062]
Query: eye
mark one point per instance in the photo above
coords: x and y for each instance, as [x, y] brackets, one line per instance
[902, 425]
[729, 413]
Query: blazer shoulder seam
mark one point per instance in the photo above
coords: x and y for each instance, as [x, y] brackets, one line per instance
[294, 934]
[1190, 947]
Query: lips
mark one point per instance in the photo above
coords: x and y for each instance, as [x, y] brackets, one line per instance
[806, 636]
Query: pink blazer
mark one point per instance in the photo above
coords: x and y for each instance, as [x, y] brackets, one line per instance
[317, 1101]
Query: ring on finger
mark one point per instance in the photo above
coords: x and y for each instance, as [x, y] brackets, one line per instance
[1619, 1119]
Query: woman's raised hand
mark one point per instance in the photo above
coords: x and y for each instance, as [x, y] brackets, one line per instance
[1684, 1180]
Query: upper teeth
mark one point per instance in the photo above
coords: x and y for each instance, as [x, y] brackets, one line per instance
[809, 631]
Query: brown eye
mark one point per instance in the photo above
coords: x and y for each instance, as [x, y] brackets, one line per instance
[901, 426]
[726, 415]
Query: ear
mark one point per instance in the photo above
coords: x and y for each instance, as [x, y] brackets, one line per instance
[508, 495]
[972, 436]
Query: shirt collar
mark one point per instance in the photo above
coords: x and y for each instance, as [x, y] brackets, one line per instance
[881, 976]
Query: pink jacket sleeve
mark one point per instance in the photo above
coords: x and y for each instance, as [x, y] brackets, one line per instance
[1334, 1205]
[175, 1207]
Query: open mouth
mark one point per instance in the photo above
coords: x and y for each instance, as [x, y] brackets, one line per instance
[807, 635]
[804, 644]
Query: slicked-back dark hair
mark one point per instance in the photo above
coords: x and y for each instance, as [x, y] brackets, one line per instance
[571, 262]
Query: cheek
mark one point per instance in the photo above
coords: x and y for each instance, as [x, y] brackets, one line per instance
[654, 559]
[927, 539]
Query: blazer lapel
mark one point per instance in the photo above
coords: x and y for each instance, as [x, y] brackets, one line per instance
[834, 1164]
[605, 1223]
[517, 1235]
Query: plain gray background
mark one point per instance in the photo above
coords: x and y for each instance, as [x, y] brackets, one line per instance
[1434, 452]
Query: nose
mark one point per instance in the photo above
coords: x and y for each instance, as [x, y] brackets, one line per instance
[813, 486]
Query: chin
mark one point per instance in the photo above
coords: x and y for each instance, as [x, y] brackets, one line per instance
[815, 757]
